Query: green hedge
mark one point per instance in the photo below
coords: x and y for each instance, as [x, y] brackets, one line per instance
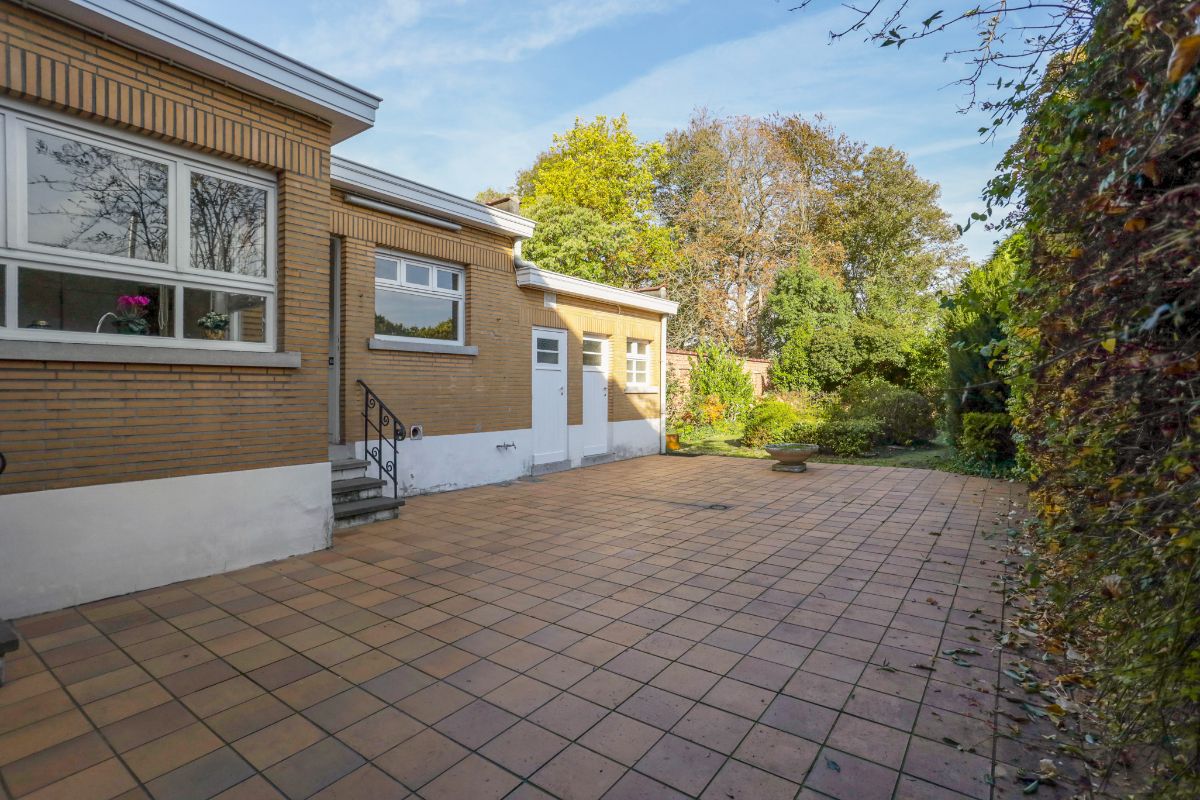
[769, 422]
[841, 437]
[905, 416]
[986, 437]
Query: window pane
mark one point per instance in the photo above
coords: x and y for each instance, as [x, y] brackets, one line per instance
[593, 360]
[447, 279]
[229, 226]
[547, 357]
[62, 301]
[386, 269]
[593, 346]
[224, 316]
[89, 198]
[547, 344]
[416, 316]
[414, 273]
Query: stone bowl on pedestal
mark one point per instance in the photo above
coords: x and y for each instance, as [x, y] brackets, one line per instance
[791, 457]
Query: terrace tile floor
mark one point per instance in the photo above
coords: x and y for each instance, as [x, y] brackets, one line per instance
[656, 628]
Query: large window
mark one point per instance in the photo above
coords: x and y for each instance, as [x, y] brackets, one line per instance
[112, 238]
[418, 300]
[637, 364]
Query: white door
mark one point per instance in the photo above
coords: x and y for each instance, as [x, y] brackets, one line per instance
[549, 395]
[595, 395]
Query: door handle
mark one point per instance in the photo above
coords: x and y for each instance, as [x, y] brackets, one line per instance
[561, 390]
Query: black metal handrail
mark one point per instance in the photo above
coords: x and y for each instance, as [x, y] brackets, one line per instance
[385, 422]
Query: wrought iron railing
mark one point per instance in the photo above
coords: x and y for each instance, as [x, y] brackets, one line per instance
[382, 430]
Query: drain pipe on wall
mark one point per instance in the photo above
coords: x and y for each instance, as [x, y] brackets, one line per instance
[662, 387]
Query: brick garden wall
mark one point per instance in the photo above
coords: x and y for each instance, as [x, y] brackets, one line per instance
[679, 364]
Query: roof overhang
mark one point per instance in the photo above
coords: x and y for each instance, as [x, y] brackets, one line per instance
[362, 180]
[531, 277]
[177, 35]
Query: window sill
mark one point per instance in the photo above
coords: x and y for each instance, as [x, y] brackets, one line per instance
[12, 350]
[423, 347]
[641, 390]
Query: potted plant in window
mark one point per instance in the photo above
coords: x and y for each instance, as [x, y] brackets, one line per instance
[214, 324]
[130, 316]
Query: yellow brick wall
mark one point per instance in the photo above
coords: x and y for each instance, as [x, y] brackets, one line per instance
[493, 390]
[71, 423]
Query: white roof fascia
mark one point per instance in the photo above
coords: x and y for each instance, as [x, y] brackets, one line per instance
[361, 179]
[531, 277]
[177, 35]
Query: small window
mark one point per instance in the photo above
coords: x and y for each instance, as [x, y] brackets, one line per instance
[593, 352]
[414, 300]
[224, 316]
[547, 350]
[637, 363]
[66, 301]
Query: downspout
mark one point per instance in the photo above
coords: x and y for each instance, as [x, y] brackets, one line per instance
[519, 262]
[662, 385]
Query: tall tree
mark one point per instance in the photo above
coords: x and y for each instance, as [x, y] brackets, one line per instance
[592, 194]
[744, 196]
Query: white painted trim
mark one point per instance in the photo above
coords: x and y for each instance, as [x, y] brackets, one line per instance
[377, 184]
[67, 546]
[662, 388]
[533, 277]
[170, 32]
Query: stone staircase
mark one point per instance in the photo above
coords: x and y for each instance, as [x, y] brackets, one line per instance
[358, 499]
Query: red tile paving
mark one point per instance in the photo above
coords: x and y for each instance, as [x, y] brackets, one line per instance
[601, 633]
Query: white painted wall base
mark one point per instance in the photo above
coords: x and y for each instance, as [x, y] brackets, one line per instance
[458, 461]
[62, 547]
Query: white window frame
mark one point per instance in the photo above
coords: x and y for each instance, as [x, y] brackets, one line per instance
[16, 252]
[403, 286]
[604, 356]
[644, 358]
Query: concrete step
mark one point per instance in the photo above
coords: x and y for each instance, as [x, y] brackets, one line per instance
[351, 489]
[347, 468]
[359, 512]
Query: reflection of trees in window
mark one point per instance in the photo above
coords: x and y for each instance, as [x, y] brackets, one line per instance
[443, 330]
[89, 198]
[228, 226]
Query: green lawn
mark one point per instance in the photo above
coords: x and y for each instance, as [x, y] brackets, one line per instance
[727, 443]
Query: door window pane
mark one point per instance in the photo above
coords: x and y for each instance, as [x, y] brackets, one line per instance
[547, 344]
[593, 353]
[96, 200]
[63, 301]
[229, 226]
[224, 316]
[416, 316]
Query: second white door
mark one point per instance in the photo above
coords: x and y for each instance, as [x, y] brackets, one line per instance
[595, 395]
[549, 395]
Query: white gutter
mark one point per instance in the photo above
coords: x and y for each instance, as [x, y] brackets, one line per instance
[396, 211]
[385, 187]
[531, 276]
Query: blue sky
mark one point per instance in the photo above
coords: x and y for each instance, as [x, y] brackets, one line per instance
[474, 89]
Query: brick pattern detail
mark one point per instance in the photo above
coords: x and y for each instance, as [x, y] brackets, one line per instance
[71, 424]
[56, 65]
[465, 394]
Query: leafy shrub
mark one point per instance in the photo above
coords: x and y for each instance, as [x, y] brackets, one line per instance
[906, 416]
[769, 422]
[842, 437]
[711, 410]
[718, 372]
[986, 437]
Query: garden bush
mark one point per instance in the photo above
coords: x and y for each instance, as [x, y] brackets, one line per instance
[986, 438]
[905, 416]
[718, 372]
[841, 437]
[769, 422]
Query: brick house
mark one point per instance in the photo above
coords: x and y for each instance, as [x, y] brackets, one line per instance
[196, 295]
